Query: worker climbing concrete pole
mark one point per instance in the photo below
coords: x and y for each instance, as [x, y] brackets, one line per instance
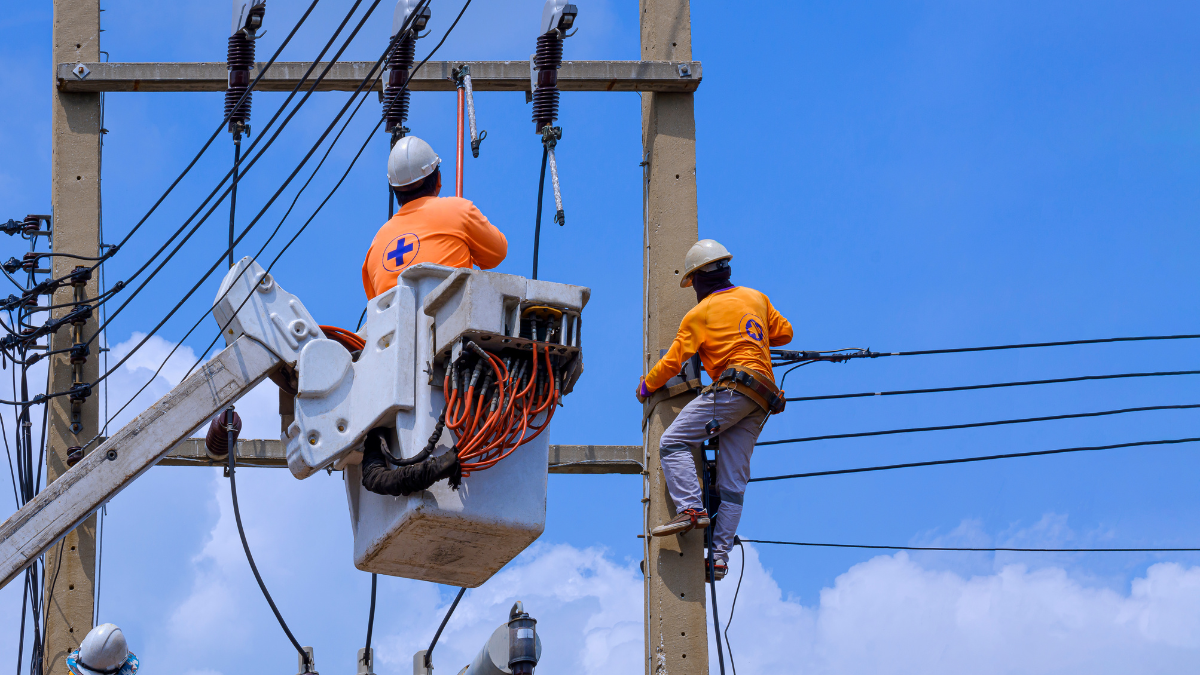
[732, 328]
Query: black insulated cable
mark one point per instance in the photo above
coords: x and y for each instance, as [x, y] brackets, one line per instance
[237, 516]
[277, 257]
[980, 550]
[249, 164]
[217, 132]
[442, 627]
[733, 605]
[1035, 345]
[265, 207]
[973, 425]
[972, 387]
[986, 458]
[368, 660]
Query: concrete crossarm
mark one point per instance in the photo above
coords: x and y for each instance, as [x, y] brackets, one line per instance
[105, 471]
[573, 459]
[658, 76]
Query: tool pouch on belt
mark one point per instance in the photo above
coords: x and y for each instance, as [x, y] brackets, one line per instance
[753, 385]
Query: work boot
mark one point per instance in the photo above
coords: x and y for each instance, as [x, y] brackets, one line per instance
[686, 520]
[720, 569]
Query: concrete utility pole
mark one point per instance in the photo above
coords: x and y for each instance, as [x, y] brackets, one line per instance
[676, 633]
[75, 198]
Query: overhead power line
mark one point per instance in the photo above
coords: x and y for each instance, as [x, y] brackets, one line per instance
[972, 425]
[1035, 345]
[112, 250]
[971, 387]
[964, 460]
[784, 356]
[984, 550]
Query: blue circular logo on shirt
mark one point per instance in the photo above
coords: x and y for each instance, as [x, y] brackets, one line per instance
[401, 252]
[753, 328]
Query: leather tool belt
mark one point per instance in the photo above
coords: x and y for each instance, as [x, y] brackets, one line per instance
[753, 385]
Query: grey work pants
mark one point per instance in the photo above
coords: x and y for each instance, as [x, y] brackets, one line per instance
[741, 421]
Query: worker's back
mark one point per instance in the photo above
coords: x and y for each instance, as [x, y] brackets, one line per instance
[732, 326]
[443, 230]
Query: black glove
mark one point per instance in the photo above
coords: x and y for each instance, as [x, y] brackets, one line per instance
[405, 480]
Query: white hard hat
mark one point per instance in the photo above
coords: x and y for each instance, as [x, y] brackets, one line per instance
[411, 161]
[103, 652]
[703, 252]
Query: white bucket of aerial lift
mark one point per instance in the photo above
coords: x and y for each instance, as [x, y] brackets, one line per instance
[458, 537]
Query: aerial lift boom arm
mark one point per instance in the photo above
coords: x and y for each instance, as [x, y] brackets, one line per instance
[104, 472]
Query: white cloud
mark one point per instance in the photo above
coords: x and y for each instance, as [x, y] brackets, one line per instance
[893, 615]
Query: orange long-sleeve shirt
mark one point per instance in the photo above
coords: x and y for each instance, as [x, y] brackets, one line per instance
[444, 230]
[736, 326]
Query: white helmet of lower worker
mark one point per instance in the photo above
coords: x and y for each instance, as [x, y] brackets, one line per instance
[411, 161]
[103, 652]
[701, 255]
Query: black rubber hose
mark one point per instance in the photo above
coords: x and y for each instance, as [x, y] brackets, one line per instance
[405, 480]
[237, 516]
[438, 634]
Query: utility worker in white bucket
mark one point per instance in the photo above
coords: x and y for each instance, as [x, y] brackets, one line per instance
[732, 328]
[103, 652]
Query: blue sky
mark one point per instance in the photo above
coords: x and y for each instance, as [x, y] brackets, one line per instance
[904, 175]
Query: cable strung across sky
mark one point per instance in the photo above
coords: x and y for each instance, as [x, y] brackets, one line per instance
[964, 460]
[984, 550]
[995, 385]
[973, 425]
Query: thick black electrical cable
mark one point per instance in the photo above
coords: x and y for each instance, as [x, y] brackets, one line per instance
[264, 209]
[974, 425]
[733, 605]
[1036, 453]
[399, 34]
[982, 550]
[204, 315]
[263, 71]
[237, 160]
[972, 387]
[367, 660]
[362, 148]
[45, 604]
[251, 163]
[442, 627]
[537, 227]
[1034, 345]
[237, 516]
[710, 566]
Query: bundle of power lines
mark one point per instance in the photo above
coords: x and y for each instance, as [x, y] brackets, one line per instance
[21, 347]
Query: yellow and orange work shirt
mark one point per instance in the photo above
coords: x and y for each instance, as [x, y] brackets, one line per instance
[444, 230]
[732, 327]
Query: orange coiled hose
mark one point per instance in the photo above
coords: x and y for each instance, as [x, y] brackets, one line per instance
[495, 413]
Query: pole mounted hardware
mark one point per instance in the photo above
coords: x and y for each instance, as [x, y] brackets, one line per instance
[247, 19]
[399, 63]
[462, 80]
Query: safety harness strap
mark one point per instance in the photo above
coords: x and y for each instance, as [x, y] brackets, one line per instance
[753, 385]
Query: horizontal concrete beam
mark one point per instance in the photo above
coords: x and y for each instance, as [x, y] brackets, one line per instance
[660, 76]
[574, 459]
